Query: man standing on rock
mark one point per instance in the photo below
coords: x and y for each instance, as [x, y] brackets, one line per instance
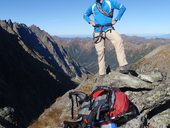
[103, 23]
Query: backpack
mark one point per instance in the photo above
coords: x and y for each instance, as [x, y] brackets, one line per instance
[104, 104]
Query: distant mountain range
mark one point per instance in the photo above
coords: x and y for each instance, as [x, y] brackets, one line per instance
[148, 36]
[83, 51]
[166, 36]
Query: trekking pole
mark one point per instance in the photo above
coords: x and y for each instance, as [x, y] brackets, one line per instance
[112, 118]
[72, 104]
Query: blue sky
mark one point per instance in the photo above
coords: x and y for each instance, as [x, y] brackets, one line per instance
[65, 17]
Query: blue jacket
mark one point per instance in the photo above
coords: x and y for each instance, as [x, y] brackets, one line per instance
[100, 18]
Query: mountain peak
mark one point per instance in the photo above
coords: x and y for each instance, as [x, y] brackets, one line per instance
[34, 27]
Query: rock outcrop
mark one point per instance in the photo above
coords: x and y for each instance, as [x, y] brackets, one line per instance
[151, 96]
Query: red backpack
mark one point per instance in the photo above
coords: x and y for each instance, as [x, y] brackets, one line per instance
[121, 104]
[104, 103]
[119, 100]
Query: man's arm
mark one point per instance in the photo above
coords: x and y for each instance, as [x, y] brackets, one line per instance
[86, 16]
[120, 7]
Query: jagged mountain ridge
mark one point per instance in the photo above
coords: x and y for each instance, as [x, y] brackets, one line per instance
[41, 45]
[34, 71]
[83, 51]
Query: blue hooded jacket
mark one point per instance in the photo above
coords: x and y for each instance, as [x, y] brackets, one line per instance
[100, 18]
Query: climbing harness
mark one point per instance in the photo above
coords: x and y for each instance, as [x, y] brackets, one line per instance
[102, 34]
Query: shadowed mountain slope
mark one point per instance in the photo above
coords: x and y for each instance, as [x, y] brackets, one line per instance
[30, 77]
[41, 46]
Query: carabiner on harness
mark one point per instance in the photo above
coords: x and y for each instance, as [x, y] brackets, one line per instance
[102, 34]
[98, 38]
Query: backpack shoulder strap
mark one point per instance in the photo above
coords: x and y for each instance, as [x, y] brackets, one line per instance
[109, 4]
[103, 12]
[93, 7]
[77, 94]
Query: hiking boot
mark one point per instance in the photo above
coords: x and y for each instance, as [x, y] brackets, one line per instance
[102, 76]
[108, 69]
[124, 69]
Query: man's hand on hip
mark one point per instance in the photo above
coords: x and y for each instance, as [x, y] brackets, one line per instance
[114, 22]
[92, 23]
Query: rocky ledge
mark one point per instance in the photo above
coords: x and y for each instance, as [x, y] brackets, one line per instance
[151, 98]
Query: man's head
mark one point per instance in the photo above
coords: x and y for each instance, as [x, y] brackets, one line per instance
[99, 1]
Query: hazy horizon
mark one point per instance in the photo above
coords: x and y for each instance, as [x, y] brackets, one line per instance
[146, 35]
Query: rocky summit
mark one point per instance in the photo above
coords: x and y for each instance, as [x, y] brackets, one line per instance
[147, 86]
